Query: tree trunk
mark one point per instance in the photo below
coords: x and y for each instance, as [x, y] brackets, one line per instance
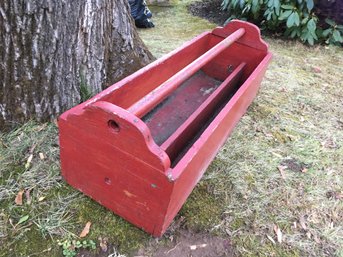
[52, 51]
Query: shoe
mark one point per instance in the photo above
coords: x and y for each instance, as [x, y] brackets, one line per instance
[146, 23]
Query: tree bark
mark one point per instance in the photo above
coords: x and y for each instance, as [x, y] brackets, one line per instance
[52, 50]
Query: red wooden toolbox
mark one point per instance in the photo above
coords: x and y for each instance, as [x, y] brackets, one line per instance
[140, 146]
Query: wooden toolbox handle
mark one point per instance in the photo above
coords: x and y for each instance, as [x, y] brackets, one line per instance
[148, 102]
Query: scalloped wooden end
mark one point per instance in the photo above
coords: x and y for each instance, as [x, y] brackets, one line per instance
[251, 37]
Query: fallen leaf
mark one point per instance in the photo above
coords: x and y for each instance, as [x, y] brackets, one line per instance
[28, 162]
[28, 196]
[41, 198]
[41, 156]
[278, 233]
[11, 222]
[103, 244]
[277, 155]
[339, 196]
[193, 247]
[282, 171]
[304, 170]
[317, 69]
[23, 219]
[85, 230]
[19, 198]
[271, 239]
[228, 232]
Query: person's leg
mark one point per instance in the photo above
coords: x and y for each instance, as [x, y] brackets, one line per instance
[141, 14]
[147, 12]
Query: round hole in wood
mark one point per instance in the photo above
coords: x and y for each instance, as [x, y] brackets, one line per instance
[113, 125]
[108, 181]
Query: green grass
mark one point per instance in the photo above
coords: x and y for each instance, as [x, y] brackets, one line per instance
[296, 118]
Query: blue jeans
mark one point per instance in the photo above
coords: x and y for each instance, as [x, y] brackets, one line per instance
[141, 13]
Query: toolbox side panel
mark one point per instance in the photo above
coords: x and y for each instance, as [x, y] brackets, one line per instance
[194, 163]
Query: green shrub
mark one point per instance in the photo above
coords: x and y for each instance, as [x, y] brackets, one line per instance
[294, 18]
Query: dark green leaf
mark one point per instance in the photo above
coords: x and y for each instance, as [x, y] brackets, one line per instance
[277, 6]
[284, 15]
[337, 36]
[304, 21]
[270, 3]
[310, 5]
[225, 5]
[274, 17]
[296, 19]
[303, 36]
[268, 14]
[287, 7]
[290, 20]
[310, 40]
[293, 34]
[311, 25]
[330, 22]
[235, 3]
[255, 6]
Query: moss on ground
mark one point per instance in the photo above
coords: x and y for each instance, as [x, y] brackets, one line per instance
[32, 243]
[124, 236]
[202, 210]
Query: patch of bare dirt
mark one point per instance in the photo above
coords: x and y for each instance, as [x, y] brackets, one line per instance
[295, 165]
[189, 244]
[210, 10]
